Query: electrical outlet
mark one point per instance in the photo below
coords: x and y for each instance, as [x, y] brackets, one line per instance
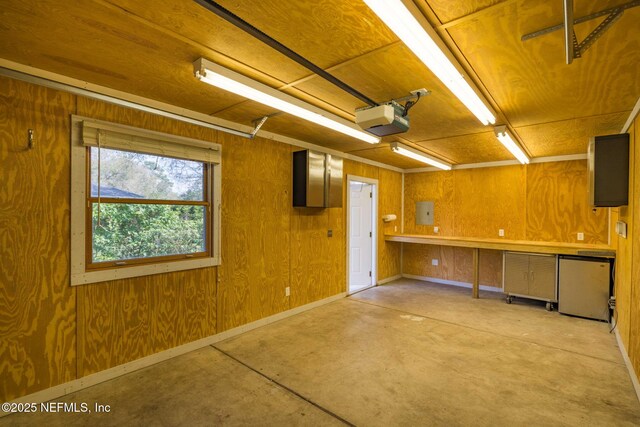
[436, 229]
[501, 232]
[395, 228]
[580, 236]
[434, 261]
[287, 291]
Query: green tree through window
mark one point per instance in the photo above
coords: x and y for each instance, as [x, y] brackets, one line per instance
[146, 207]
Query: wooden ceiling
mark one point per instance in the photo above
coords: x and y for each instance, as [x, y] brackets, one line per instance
[147, 49]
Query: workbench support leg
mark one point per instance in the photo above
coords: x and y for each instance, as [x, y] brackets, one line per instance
[476, 273]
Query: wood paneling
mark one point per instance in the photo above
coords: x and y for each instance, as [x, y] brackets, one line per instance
[416, 260]
[624, 267]
[430, 186]
[558, 204]
[390, 74]
[256, 210]
[125, 45]
[127, 319]
[491, 268]
[634, 306]
[540, 202]
[116, 323]
[463, 149]
[51, 333]
[531, 81]
[318, 262]
[37, 306]
[110, 112]
[569, 136]
[447, 10]
[382, 153]
[489, 199]
[627, 289]
[389, 202]
[455, 264]
[358, 169]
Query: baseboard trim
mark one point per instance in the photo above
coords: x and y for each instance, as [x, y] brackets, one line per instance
[117, 371]
[627, 361]
[389, 279]
[451, 282]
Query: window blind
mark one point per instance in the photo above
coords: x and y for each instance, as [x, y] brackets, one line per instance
[120, 137]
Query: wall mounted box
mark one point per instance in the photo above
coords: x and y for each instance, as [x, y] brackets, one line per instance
[317, 180]
[333, 179]
[424, 213]
[621, 229]
[608, 158]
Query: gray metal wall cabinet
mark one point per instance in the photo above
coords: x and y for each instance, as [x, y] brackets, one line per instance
[317, 180]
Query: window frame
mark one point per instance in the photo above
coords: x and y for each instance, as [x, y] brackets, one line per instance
[83, 269]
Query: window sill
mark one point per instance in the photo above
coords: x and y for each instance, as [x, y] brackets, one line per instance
[141, 270]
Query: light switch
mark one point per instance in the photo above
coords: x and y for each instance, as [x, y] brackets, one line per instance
[580, 236]
[436, 229]
[501, 232]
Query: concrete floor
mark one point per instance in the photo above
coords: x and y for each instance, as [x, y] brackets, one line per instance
[407, 353]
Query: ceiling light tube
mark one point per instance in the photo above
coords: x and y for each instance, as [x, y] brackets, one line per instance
[412, 153]
[223, 78]
[402, 22]
[506, 140]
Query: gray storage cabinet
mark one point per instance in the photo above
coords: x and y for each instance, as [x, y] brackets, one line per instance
[530, 276]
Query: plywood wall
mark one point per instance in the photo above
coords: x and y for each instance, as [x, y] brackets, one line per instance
[634, 306]
[558, 204]
[37, 306]
[625, 249]
[627, 287]
[124, 320]
[390, 202]
[312, 277]
[488, 199]
[542, 202]
[256, 209]
[51, 333]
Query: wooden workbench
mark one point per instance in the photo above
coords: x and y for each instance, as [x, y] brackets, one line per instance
[503, 245]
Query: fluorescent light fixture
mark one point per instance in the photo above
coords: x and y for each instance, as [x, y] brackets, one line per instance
[419, 156]
[400, 20]
[506, 140]
[223, 78]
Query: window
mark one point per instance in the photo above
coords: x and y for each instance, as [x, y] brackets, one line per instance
[142, 202]
[143, 208]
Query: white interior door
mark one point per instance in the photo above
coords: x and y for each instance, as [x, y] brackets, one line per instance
[360, 236]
